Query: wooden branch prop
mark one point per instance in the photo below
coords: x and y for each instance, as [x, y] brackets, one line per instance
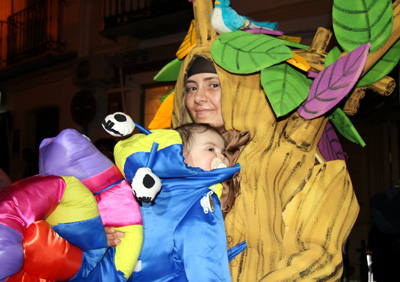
[384, 87]
[205, 34]
[299, 131]
[353, 102]
[316, 54]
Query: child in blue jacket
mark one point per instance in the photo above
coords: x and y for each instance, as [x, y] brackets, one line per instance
[184, 233]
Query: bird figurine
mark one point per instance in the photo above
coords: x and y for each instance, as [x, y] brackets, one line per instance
[225, 19]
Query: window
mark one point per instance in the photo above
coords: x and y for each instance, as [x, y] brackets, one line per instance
[152, 96]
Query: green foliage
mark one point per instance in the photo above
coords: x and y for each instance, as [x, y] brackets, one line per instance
[166, 95]
[333, 55]
[383, 67]
[345, 127]
[285, 87]
[294, 44]
[243, 53]
[170, 71]
[358, 22]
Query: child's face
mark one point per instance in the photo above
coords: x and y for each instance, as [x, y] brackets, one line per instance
[207, 150]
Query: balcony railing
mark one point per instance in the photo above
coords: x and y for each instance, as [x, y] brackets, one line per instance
[32, 32]
[138, 17]
[117, 12]
[3, 43]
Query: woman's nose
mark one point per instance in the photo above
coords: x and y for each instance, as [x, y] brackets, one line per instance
[201, 95]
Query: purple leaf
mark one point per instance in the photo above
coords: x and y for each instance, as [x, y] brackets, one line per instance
[329, 144]
[334, 82]
[312, 74]
[264, 31]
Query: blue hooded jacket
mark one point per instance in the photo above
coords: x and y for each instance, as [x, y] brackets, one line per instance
[184, 239]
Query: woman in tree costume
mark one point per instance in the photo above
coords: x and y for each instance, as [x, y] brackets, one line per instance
[296, 206]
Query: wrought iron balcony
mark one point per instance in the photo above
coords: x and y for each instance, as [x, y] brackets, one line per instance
[3, 44]
[31, 32]
[146, 18]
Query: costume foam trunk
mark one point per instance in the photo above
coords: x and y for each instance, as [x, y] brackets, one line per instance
[294, 214]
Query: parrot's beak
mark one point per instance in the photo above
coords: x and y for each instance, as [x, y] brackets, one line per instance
[217, 2]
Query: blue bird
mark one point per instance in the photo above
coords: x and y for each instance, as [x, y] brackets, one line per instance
[225, 19]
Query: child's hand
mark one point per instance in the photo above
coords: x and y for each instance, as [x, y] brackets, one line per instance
[113, 236]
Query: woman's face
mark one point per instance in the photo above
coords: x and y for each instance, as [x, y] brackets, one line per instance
[203, 99]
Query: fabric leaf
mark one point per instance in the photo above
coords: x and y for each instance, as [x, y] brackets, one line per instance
[333, 55]
[295, 45]
[383, 67]
[285, 87]
[295, 39]
[166, 95]
[243, 53]
[358, 22]
[188, 43]
[162, 118]
[334, 82]
[329, 144]
[169, 72]
[299, 62]
[345, 127]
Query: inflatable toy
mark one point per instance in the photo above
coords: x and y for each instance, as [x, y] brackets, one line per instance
[117, 205]
[71, 210]
[52, 224]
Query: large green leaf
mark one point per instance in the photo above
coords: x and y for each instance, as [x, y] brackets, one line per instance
[169, 72]
[384, 66]
[346, 127]
[285, 87]
[357, 22]
[243, 53]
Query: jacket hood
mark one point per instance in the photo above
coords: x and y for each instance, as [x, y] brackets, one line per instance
[161, 151]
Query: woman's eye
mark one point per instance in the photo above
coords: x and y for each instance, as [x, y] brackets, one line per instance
[214, 85]
[191, 89]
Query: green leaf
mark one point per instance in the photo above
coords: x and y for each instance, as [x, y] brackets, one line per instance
[384, 66]
[243, 53]
[285, 87]
[345, 127]
[170, 71]
[333, 55]
[166, 95]
[357, 22]
[294, 44]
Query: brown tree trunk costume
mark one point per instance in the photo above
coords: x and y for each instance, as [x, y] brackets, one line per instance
[294, 214]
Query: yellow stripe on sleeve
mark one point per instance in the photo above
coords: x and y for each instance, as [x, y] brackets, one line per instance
[77, 203]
